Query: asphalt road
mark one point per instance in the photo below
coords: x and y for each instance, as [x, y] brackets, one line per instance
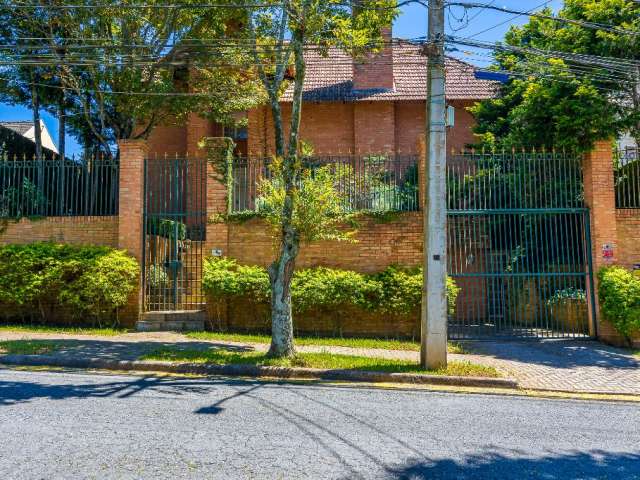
[56, 425]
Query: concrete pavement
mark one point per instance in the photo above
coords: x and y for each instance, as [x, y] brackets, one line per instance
[58, 425]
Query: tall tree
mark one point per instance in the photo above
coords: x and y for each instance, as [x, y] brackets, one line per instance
[21, 84]
[563, 91]
[120, 65]
[278, 34]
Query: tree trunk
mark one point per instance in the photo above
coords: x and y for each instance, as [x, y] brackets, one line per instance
[635, 130]
[281, 270]
[280, 274]
[35, 106]
[62, 130]
[62, 127]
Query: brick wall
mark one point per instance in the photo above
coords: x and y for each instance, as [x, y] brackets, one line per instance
[359, 127]
[628, 231]
[374, 127]
[73, 230]
[378, 245]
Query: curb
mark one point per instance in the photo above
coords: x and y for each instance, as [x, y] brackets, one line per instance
[256, 371]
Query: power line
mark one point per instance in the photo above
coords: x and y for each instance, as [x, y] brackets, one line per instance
[580, 23]
[510, 19]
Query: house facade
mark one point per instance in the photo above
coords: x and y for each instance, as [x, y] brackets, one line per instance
[371, 106]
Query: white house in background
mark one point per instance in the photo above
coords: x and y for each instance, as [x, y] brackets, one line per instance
[626, 142]
[28, 131]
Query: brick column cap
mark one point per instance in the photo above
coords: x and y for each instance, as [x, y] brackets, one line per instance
[133, 143]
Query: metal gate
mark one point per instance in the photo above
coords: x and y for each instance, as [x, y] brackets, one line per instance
[519, 245]
[174, 233]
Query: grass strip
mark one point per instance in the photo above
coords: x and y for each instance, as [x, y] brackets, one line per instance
[316, 360]
[105, 332]
[369, 343]
[28, 347]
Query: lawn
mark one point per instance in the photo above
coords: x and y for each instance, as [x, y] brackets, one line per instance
[316, 360]
[106, 332]
[369, 343]
[27, 347]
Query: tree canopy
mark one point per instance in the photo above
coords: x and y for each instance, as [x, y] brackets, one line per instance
[572, 82]
[121, 70]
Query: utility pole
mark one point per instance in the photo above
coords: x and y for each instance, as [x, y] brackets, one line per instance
[433, 350]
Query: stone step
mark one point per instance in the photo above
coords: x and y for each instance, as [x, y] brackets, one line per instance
[172, 321]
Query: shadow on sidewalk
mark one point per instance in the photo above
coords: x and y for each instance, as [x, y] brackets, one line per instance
[116, 350]
[559, 353]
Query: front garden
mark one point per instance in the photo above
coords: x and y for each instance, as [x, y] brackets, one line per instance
[619, 291]
[326, 301]
[51, 283]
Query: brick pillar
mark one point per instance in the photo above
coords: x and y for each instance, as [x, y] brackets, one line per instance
[132, 155]
[217, 231]
[599, 193]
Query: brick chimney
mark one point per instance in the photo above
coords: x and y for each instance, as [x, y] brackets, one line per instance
[376, 70]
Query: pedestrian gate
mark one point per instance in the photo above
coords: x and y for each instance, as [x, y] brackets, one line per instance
[519, 245]
[174, 233]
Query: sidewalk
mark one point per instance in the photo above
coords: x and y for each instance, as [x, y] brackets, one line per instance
[570, 366]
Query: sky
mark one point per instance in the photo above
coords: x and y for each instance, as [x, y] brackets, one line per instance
[481, 24]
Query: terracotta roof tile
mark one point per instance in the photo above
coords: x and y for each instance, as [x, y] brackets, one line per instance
[330, 78]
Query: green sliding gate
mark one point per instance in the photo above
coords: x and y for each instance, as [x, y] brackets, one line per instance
[519, 245]
[174, 233]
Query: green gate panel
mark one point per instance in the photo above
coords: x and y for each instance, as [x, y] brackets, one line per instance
[174, 233]
[519, 245]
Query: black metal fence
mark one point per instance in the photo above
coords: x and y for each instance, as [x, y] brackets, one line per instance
[58, 187]
[374, 182]
[627, 178]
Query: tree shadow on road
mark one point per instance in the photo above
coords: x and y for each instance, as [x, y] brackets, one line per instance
[13, 392]
[591, 465]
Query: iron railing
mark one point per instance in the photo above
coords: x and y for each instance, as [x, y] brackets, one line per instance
[60, 187]
[627, 178]
[518, 245]
[373, 182]
[175, 220]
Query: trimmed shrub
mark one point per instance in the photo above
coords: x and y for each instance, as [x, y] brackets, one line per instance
[48, 281]
[619, 291]
[395, 290]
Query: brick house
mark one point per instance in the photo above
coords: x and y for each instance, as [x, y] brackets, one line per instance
[359, 107]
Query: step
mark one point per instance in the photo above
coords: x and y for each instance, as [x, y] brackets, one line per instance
[172, 321]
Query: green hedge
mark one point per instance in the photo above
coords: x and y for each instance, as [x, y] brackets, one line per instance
[47, 281]
[619, 291]
[395, 290]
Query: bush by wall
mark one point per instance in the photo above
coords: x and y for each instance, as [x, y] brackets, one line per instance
[52, 282]
[619, 291]
[380, 297]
